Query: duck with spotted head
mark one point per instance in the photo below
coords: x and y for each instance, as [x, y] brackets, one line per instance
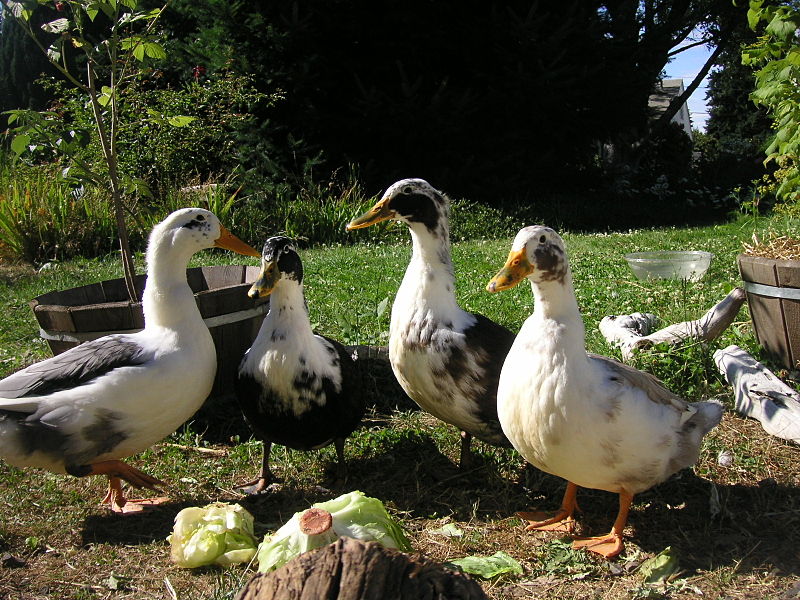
[82, 411]
[295, 388]
[446, 359]
[592, 420]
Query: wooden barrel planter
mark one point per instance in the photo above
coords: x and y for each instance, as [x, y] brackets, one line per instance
[68, 317]
[773, 296]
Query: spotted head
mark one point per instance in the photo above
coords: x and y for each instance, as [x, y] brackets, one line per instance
[279, 261]
[190, 230]
[537, 253]
[413, 201]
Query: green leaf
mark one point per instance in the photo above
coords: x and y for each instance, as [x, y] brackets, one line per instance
[106, 94]
[154, 50]
[57, 26]
[488, 566]
[138, 52]
[180, 120]
[156, 117]
[659, 568]
[20, 143]
[753, 17]
[781, 27]
[382, 306]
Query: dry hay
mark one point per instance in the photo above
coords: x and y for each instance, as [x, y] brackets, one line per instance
[778, 247]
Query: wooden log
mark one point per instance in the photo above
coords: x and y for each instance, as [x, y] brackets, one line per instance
[350, 569]
[632, 332]
[760, 394]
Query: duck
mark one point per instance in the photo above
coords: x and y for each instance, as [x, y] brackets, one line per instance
[295, 388]
[446, 359]
[82, 411]
[586, 418]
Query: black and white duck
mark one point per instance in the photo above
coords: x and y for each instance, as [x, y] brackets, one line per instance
[446, 359]
[295, 388]
[594, 421]
[82, 411]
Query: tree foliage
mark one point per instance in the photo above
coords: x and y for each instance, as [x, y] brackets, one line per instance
[485, 98]
[777, 56]
[737, 129]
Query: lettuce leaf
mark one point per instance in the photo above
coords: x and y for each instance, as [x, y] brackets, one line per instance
[353, 515]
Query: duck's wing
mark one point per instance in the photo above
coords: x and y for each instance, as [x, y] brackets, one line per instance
[72, 368]
[491, 342]
[494, 339]
[655, 391]
[351, 398]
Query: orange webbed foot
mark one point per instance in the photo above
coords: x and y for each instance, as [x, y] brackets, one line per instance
[561, 520]
[116, 501]
[607, 546]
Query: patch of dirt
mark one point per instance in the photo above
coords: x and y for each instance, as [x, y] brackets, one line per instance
[734, 528]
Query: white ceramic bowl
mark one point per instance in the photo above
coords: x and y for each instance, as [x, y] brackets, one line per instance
[667, 264]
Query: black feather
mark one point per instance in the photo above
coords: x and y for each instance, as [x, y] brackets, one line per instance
[75, 367]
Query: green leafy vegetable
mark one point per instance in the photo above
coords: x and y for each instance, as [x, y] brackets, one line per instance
[659, 568]
[220, 534]
[488, 566]
[448, 530]
[352, 515]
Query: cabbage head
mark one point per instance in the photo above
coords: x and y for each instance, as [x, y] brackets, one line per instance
[218, 534]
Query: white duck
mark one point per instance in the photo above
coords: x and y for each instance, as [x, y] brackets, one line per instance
[593, 421]
[447, 360]
[83, 410]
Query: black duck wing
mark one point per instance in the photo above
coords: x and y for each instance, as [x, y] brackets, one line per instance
[491, 342]
[75, 367]
[350, 402]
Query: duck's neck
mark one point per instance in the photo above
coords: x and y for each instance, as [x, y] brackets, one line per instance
[556, 310]
[288, 312]
[168, 301]
[429, 279]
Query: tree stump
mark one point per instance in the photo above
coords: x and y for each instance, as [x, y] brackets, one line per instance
[350, 569]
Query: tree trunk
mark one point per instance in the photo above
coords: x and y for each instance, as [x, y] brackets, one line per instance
[350, 569]
[630, 332]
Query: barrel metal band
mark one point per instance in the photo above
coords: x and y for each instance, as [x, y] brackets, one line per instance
[211, 322]
[772, 291]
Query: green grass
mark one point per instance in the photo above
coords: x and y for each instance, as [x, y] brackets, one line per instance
[407, 458]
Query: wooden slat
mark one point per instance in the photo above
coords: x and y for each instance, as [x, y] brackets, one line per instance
[109, 316]
[196, 280]
[224, 300]
[53, 317]
[251, 273]
[776, 322]
[220, 276]
[788, 275]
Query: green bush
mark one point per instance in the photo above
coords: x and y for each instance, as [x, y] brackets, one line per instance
[220, 139]
[43, 218]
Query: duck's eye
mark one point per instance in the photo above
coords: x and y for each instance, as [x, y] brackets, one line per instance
[515, 262]
[200, 218]
[408, 189]
[287, 248]
[543, 239]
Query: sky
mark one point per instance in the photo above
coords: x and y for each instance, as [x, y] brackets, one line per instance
[685, 66]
